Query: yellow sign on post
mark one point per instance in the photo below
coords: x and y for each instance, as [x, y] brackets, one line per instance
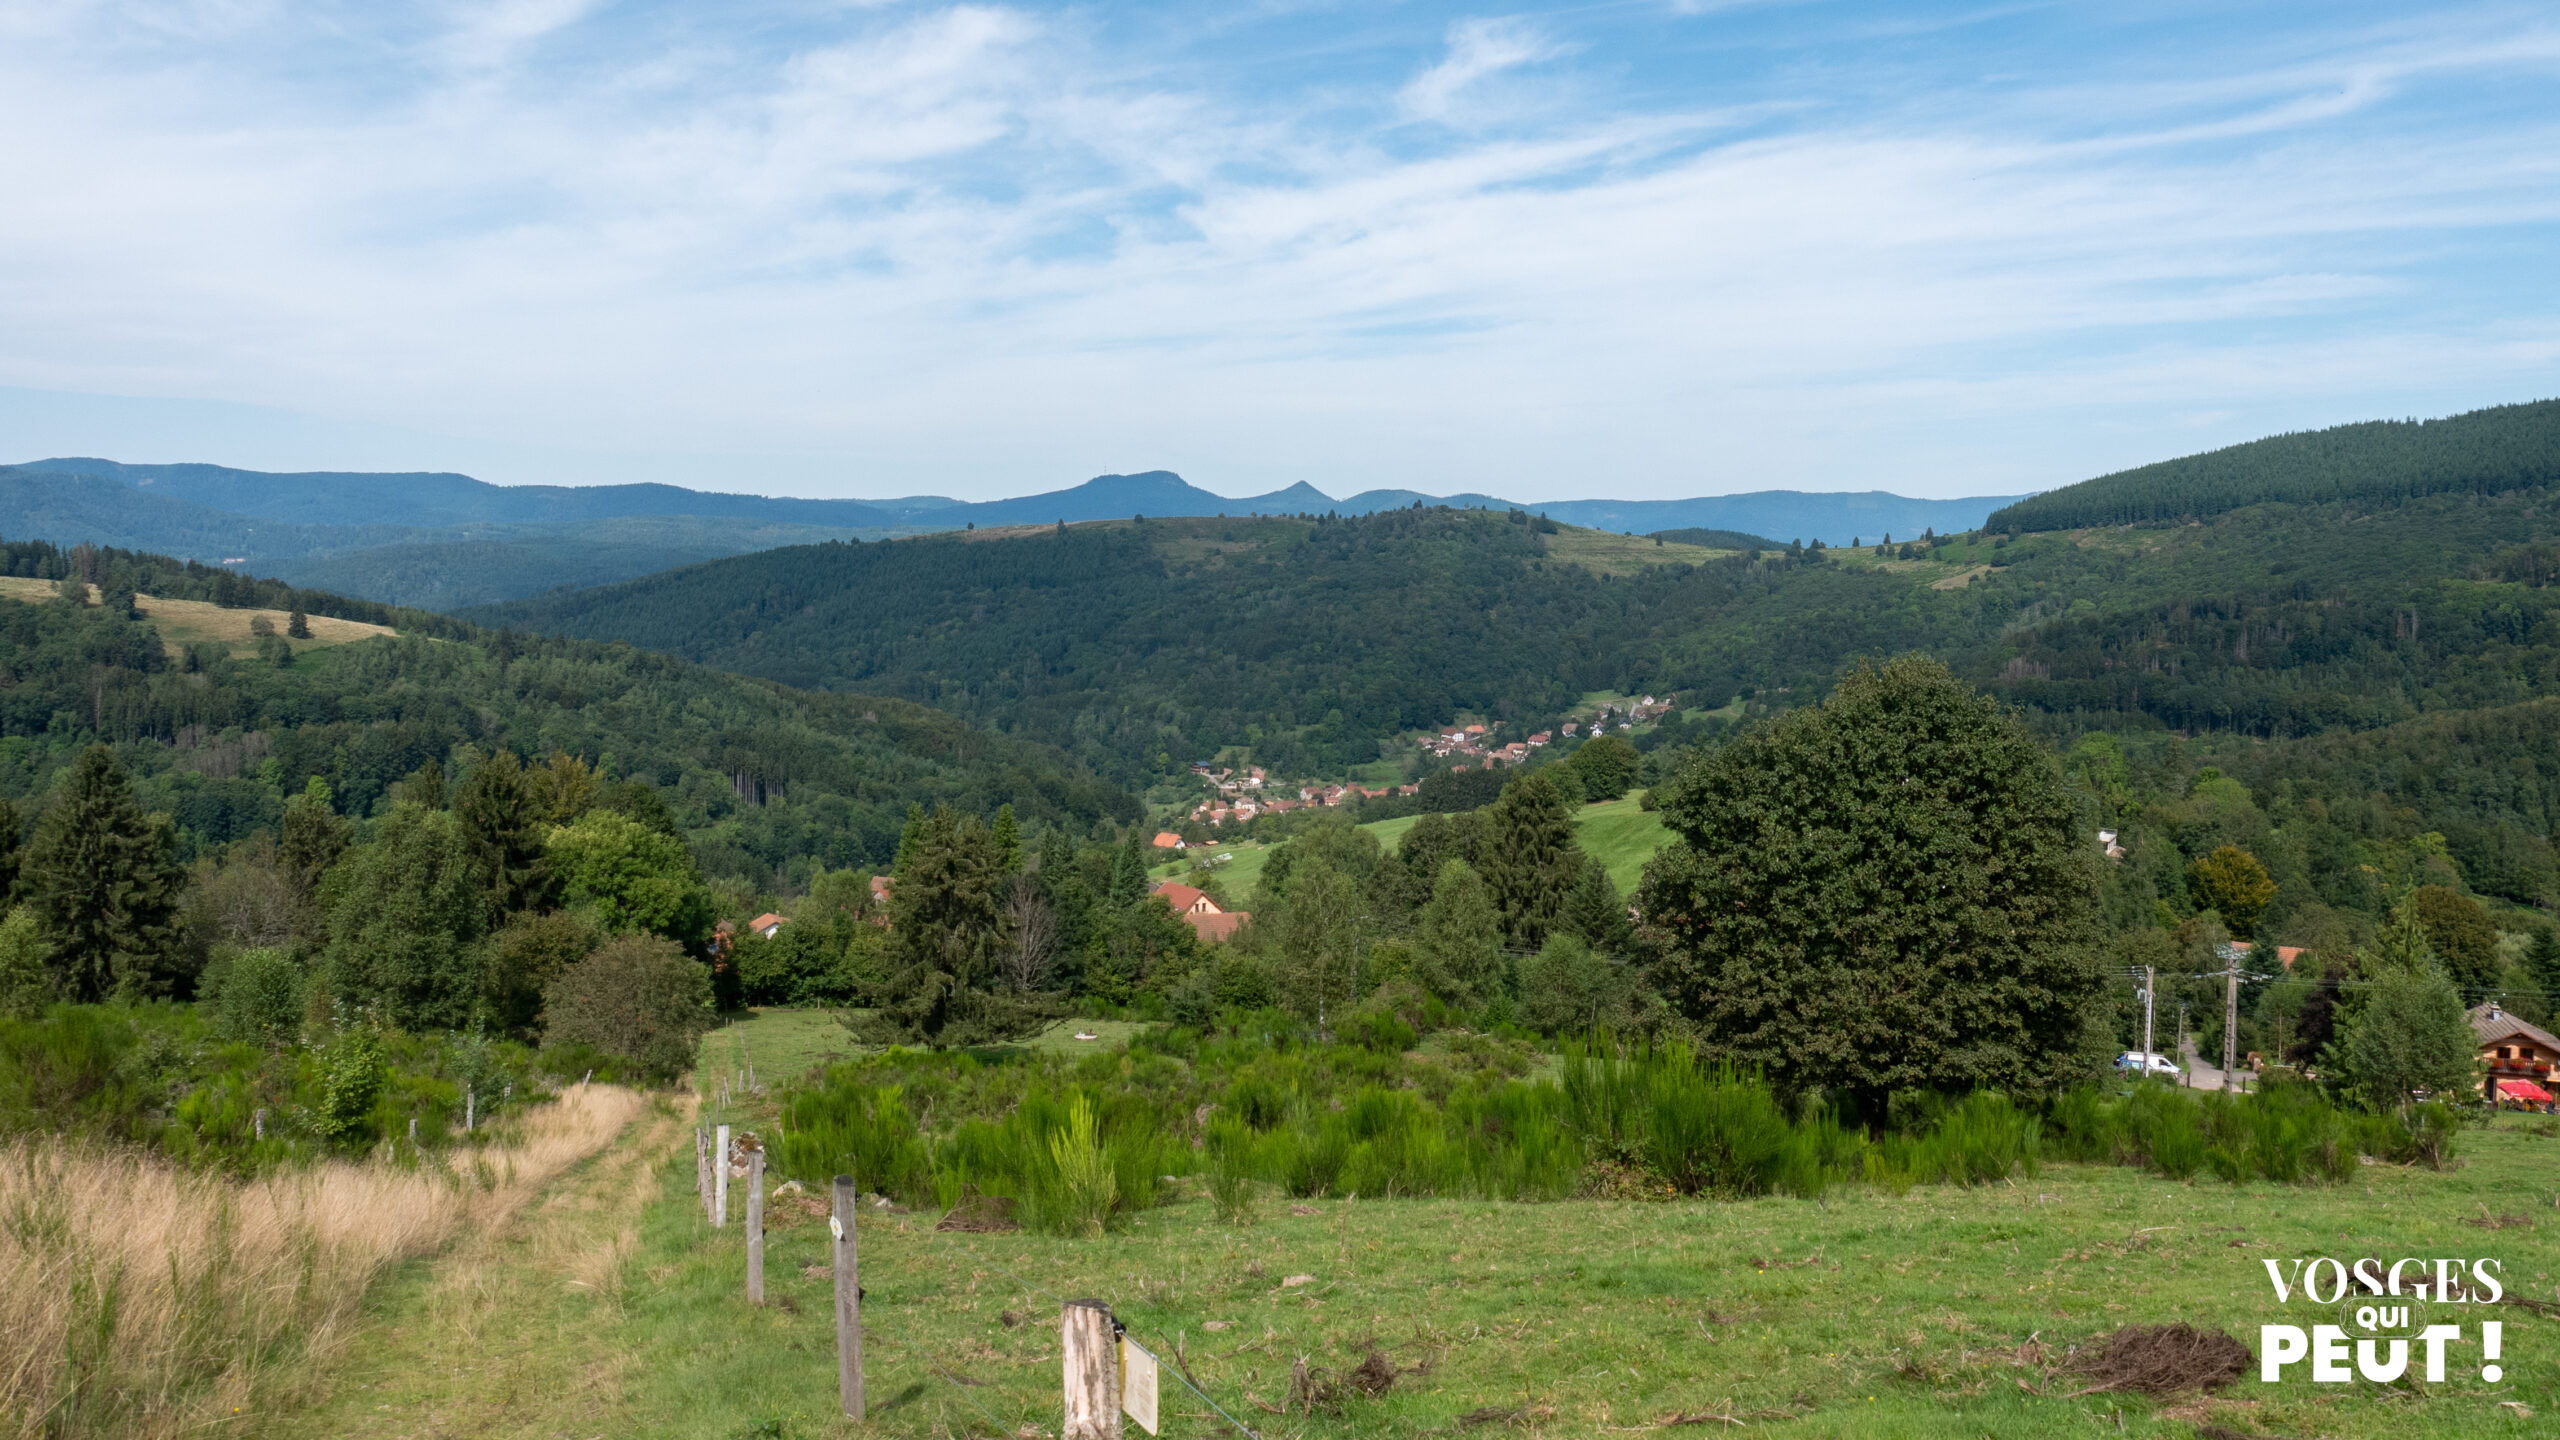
[1138, 1384]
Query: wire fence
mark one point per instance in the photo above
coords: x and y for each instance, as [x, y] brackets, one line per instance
[720, 1159]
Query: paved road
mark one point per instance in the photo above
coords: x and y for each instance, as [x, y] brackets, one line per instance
[2201, 1076]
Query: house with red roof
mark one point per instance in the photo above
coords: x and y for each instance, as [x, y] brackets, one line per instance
[768, 925]
[1206, 919]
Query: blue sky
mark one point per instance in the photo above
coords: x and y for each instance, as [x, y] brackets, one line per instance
[1638, 249]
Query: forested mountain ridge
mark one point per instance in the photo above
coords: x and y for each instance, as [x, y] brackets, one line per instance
[1147, 645]
[758, 776]
[443, 541]
[1308, 639]
[2488, 452]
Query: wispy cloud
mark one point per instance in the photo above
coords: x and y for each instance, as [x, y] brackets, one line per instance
[979, 247]
[1477, 49]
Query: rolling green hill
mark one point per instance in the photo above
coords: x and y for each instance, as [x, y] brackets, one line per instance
[1141, 646]
[221, 729]
[1144, 644]
[2484, 452]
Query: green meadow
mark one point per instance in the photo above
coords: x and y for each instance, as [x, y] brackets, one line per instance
[616, 1309]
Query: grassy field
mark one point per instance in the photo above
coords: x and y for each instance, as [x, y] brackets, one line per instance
[1616, 833]
[784, 1045]
[1621, 835]
[182, 621]
[1937, 1313]
[1605, 552]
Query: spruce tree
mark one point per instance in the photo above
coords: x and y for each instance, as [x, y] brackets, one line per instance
[1528, 858]
[2409, 1032]
[1889, 891]
[2543, 960]
[1597, 913]
[12, 851]
[1008, 838]
[312, 838]
[104, 886]
[908, 836]
[1129, 870]
[1457, 939]
[504, 829]
[948, 927]
[297, 626]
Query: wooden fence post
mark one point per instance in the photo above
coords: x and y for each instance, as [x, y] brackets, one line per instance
[755, 1226]
[1092, 1364]
[702, 1169]
[848, 1302]
[720, 1179]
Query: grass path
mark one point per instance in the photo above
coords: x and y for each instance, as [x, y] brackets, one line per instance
[514, 1332]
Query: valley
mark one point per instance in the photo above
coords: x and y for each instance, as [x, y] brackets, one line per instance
[1208, 909]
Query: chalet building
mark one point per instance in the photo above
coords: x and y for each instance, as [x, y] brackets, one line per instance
[1200, 912]
[768, 925]
[1167, 840]
[2518, 1056]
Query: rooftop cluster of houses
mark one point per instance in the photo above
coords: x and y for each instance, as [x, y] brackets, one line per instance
[1628, 716]
[1241, 796]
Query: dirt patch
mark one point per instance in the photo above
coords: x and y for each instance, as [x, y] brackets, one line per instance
[981, 1215]
[1375, 1375]
[2487, 1221]
[2163, 1360]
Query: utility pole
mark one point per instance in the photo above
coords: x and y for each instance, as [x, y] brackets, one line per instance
[2231, 1025]
[2150, 986]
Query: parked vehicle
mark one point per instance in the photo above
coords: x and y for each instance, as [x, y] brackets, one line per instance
[2141, 1062]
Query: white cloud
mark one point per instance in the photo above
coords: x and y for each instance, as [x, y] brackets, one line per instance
[1477, 49]
[976, 248]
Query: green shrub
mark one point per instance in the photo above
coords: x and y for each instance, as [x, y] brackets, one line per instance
[636, 997]
[1074, 1193]
[26, 974]
[2167, 1130]
[1232, 1187]
[858, 1131]
[261, 996]
[356, 1071]
[1381, 1030]
[1701, 1131]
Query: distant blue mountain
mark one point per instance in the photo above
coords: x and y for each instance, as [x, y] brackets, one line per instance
[328, 497]
[1782, 515]
[437, 538]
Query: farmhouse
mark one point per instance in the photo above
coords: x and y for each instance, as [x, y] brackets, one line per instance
[2517, 1055]
[1200, 912]
[768, 925]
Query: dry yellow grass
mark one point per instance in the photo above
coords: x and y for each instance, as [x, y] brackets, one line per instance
[1961, 578]
[145, 1301]
[518, 1332]
[1605, 552]
[182, 621]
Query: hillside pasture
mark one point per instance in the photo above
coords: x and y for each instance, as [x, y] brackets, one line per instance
[182, 622]
[1940, 1312]
[1606, 552]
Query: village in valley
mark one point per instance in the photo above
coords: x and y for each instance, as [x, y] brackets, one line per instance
[1239, 793]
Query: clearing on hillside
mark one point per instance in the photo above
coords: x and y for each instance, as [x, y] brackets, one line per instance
[181, 622]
